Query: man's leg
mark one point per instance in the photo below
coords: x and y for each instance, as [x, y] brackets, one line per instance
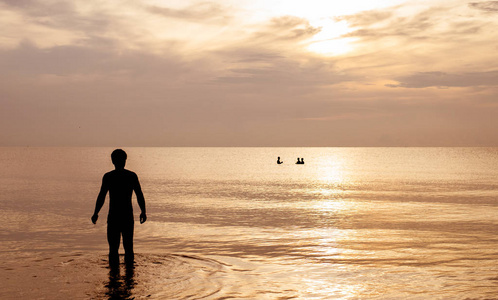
[113, 238]
[128, 242]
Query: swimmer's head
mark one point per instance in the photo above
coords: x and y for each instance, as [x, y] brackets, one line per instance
[118, 158]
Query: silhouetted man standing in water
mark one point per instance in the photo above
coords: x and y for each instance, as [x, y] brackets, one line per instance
[120, 183]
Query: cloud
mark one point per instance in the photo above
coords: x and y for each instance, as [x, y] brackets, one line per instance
[29, 60]
[405, 42]
[422, 25]
[284, 29]
[285, 74]
[254, 55]
[367, 18]
[487, 6]
[397, 33]
[441, 79]
[271, 57]
[18, 3]
[274, 58]
[199, 12]
[59, 15]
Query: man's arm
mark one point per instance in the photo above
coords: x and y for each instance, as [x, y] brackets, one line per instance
[141, 201]
[100, 200]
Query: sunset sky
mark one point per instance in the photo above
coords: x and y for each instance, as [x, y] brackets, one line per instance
[248, 73]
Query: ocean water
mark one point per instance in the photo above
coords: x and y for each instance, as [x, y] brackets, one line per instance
[229, 223]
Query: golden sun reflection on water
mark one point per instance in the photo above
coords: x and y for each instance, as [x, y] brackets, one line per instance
[314, 279]
[330, 169]
[331, 174]
[322, 287]
[330, 181]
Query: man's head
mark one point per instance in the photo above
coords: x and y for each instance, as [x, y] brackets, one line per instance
[118, 158]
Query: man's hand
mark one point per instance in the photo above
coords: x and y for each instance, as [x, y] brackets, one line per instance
[143, 218]
[95, 217]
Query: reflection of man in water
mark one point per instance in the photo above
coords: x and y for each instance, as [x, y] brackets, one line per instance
[120, 183]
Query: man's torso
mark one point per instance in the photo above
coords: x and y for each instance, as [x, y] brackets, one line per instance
[121, 184]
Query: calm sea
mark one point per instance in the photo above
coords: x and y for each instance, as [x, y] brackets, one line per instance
[229, 223]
